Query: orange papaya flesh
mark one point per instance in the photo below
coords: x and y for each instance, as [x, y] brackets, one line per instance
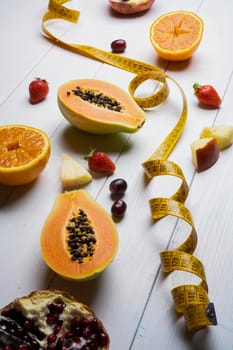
[109, 109]
[91, 259]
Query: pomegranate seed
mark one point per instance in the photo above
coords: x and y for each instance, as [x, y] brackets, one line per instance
[76, 340]
[28, 325]
[103, 339]
[68, 343]
[60, 343]
[56, 329]
[34, 345]
[75, 322]
[68, 335]
[56, 308]
[51, 319]
[23, 347]
[52, 338]
[87, 332]
[51, 346]
[93, 324]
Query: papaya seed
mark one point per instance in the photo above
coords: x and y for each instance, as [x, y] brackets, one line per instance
[97, 98]
[80, 237]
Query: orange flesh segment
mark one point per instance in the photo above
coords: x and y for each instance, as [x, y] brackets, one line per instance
[177, 32]
[19, 146]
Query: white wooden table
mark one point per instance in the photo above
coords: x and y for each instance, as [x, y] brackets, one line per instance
[131, 297]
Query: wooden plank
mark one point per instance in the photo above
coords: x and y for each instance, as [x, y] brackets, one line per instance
[131, 296]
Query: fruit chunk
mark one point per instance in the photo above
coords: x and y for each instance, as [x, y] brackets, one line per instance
[99, 162]
[222, 134]
[176, 35]
[79, 238]
[50, 319]
[118, 208]
[205, 153]
[126, 7]
[73, 175]
[24, 153]
[99, 107]
[207, 95]
[118, 186]
[118, 46]
[38, 90]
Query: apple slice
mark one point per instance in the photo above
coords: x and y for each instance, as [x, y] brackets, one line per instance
[222, 134]
[73, 175]
[205, 153]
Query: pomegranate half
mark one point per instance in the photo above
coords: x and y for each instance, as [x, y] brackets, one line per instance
[126, 7]
[50, 320]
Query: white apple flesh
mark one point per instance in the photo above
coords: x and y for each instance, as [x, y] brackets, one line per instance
[222, 134]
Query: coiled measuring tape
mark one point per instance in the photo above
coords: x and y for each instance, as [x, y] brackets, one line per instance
[190, 300]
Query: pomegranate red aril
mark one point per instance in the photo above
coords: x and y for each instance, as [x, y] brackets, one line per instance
[56, 308]
[52, 319]
[103, 339]
[28, 325]
[87, 331]
[60, 343]
[77, 340]
[68, 335]
[23, 347]
[52, 338]
[57, 328]
[118, 208]
[118, 46]
[51, 346]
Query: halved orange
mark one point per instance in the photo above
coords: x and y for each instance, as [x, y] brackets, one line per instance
[24, 153]
[176, 35]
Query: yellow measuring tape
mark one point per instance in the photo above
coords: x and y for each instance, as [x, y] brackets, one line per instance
[190, 300]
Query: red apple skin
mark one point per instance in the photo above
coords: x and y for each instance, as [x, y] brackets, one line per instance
[208, 155]
[130, 7]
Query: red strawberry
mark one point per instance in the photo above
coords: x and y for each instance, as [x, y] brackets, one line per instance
[99, 162]
[38, 90]
[207, 95]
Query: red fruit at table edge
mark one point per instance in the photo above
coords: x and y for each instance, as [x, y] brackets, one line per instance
[207, 95]
[118, 46]
[38, 90]
[99, 162]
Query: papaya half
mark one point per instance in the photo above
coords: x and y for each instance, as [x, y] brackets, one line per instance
[99, 107]
[79, 238]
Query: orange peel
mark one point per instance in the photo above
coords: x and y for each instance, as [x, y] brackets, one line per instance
[176, 35]
[24, 153]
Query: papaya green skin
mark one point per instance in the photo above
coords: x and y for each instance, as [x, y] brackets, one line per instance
[80, 121]
[131, 7]
[78, 115]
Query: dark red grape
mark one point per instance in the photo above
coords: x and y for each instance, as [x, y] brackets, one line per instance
[118, 186]
[118, 46]
[118, 208]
